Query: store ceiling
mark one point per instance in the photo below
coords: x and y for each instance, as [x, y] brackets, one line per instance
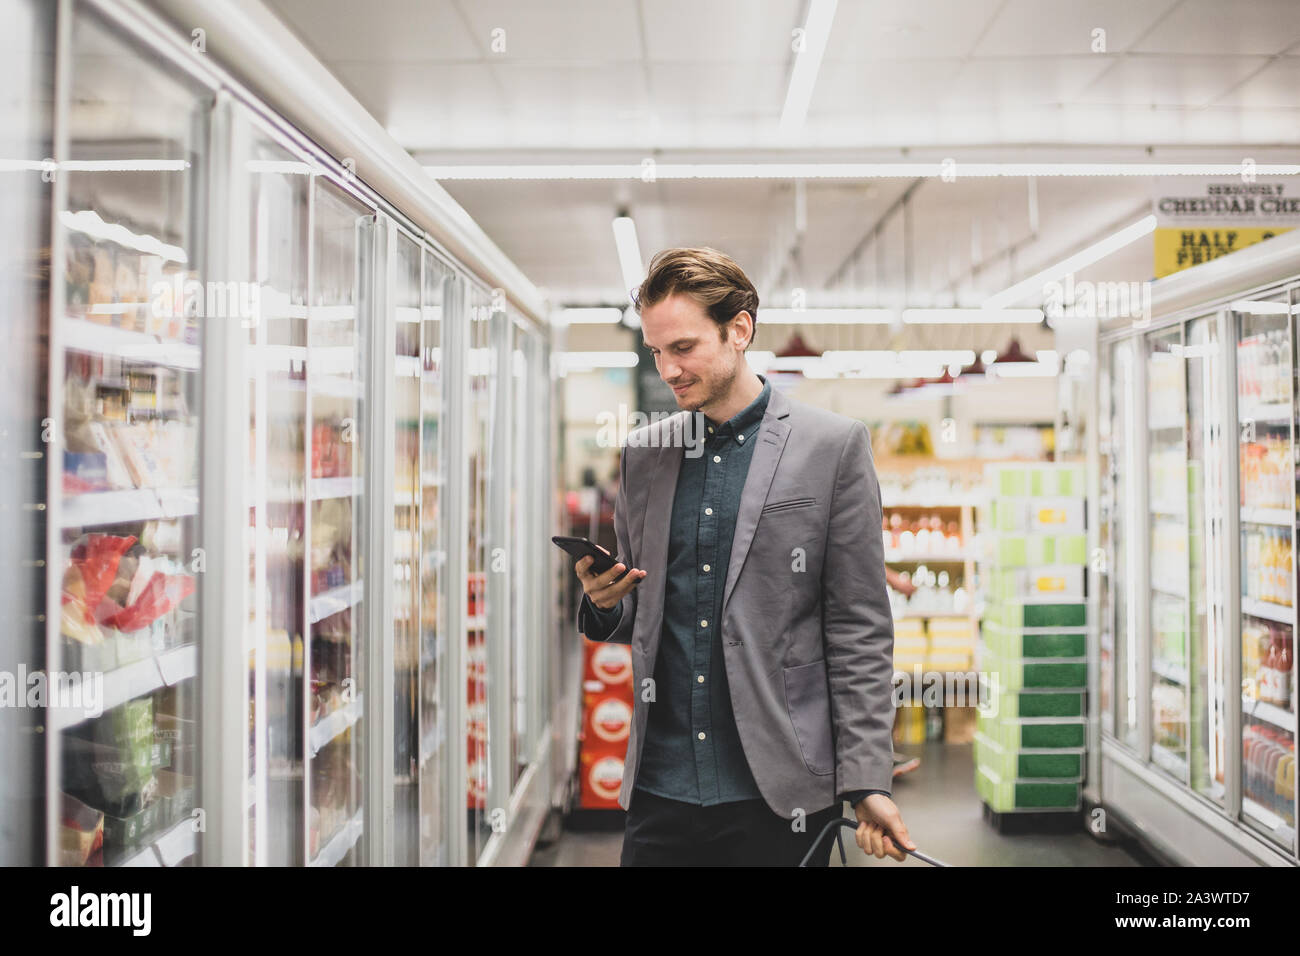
[621, 81]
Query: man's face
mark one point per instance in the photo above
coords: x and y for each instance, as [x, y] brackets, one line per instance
[689, 353]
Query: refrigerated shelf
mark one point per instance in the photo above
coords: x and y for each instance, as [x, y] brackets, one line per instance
[97, 508]
[335, 723]
[1284, 833]
[1268, 610]
[344, 486]
[1270, 713]
[1266, 414]
[135, 680]
[1269, 516]
[334, 600]
[82, 335]
[339, 844]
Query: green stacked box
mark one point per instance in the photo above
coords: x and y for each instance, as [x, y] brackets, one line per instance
[1031, 736]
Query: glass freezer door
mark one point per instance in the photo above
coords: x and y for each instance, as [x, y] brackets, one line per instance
[1267, 472]
[1167, 505]
[279, 185]
[125, 374]
[1209, 446]
[1126, 537]
[405, 307]
[336, 336]
[438, 291]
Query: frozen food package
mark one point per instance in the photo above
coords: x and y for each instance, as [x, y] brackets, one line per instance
[161, 595]
[81, 831]
[97, 557]
[118, 476]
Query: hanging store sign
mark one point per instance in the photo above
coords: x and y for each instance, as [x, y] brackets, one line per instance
[1201, 218]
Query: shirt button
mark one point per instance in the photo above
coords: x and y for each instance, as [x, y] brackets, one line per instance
[701, 735]
[706, 567]
[700, 679]
[708, 511]
[704, 623]
[740, 438]
[717, 458]
[710, 429]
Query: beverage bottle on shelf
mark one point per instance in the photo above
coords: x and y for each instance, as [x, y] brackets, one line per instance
[1250, 571]
[1265, 675]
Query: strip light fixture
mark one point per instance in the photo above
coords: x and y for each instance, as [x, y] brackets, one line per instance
[636, 171]
[1080, 260]
[807, 64]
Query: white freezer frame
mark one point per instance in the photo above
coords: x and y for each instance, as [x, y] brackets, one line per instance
[1184, 825]
[225, 776]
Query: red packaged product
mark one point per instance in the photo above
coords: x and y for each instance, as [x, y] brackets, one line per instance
[97, 557]
[160, 595]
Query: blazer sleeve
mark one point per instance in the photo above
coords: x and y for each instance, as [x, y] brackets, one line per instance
[615, 624]
[858, 626]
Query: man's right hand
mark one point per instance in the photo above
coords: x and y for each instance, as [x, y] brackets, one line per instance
[602, 589]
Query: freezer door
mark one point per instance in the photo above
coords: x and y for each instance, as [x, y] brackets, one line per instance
[132, 301]
[1266, 411]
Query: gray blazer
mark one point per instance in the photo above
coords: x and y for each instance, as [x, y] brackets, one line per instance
[807, 633]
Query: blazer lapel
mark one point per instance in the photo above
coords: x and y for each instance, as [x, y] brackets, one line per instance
[654, 534]
[771, 440]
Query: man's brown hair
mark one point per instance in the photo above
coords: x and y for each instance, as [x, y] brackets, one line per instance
[711, 278]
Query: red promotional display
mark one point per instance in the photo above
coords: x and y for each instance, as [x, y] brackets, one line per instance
[606, 723]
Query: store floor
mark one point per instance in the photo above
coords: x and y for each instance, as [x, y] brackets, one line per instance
[943, 814]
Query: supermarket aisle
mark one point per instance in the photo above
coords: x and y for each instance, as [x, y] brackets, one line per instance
[942, 810]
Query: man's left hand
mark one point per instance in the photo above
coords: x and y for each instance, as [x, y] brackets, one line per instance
[881, 831]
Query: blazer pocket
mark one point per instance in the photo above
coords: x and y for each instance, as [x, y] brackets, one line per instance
[807, 698]
[788, 504]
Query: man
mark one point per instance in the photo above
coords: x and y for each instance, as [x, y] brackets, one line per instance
[755, 603]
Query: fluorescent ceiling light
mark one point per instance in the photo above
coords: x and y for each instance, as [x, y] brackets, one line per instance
[828, 316]
[794, 363]
[88, 222]
[807, 64]
[629, 253]
[591, 316]
[584, 361]
[635, 171]
[97, 165]
[1027, 370]
[971, 316]
[1080, 260]
[289, 166]
[1254, 307]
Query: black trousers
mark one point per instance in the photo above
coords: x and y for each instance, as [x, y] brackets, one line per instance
[663, 832]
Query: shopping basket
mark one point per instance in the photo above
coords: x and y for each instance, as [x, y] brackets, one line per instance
[837, 825]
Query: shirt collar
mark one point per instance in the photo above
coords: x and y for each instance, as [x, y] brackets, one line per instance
[751, 414]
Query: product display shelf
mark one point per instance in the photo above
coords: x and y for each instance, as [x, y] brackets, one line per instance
[338, 846]
[1031, 742]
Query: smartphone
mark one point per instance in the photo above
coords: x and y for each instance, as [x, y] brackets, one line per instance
[581, 548]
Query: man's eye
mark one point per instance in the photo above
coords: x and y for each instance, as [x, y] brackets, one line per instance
[684, 349]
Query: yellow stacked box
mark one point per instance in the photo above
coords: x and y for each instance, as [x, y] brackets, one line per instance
[952, 644]
[910, 644]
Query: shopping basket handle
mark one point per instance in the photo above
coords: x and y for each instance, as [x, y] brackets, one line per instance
[837, 825]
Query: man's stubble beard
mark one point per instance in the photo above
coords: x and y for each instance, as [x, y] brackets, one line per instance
[718, 389]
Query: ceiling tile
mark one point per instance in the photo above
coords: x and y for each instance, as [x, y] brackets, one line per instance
[406, 30]
[871, 30]
[574, 30]
[1065, 27]
[1212, 26]
[1186, 81]
[720, 31]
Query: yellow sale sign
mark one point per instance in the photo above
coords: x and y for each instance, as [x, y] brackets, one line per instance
[1181, 247]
